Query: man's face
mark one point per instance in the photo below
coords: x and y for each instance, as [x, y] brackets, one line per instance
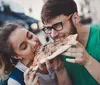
[58, 27]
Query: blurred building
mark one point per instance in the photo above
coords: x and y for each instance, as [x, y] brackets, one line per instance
[29, 11]
[8, 14]
[88, 11]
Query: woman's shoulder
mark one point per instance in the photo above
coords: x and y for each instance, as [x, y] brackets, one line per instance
[17, 75]
[17, 70]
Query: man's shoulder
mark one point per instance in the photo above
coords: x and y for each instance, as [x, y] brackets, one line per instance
[95, 30]
[96, 26]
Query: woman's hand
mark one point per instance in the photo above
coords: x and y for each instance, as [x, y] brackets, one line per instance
[30, 77]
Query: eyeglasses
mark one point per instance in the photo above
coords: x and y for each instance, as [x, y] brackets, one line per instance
[57, 27]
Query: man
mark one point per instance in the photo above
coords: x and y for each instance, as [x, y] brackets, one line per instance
[60, 18]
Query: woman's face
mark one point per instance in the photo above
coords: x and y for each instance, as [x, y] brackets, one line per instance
[24, 43]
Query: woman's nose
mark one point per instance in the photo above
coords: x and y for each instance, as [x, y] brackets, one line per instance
[31, 42]
[54, 33]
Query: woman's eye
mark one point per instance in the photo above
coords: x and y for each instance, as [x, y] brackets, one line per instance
[30, 36]
[24, 46]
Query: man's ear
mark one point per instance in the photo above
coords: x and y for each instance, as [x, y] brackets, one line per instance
[76, 18]
[17, 57]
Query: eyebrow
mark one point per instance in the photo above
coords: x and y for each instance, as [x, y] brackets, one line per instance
[54, 24]
[23, 42]
[57, 23]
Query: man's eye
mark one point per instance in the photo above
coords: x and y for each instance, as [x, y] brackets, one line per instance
[49, 28]
[57, 26]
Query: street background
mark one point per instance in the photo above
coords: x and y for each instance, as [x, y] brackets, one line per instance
[28, 12]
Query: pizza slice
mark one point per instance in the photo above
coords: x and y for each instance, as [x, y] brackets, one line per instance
[52, 50]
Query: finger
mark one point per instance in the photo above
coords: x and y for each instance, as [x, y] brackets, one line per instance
[79, 45]
[41, 66]
[57, 62]
[26, 73]
[48, 64]
[35, 82]
[73, 54]
[31, 77]
[71, 60]
[75, 50]
[77, 60]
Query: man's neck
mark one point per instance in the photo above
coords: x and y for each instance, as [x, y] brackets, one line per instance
[83, 34]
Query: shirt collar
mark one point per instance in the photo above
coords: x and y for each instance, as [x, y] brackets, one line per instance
[21, 66]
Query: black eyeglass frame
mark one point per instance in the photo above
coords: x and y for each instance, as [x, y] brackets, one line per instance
[53, 27]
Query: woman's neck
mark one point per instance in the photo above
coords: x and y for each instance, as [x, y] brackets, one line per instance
[26, 62]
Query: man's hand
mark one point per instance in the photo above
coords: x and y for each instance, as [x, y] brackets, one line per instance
[80, 54]
[30, 77]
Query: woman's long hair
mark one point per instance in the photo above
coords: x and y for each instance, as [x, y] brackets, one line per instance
[6, 50]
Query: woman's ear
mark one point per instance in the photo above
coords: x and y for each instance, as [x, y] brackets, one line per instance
[17, 57]
[76, 18]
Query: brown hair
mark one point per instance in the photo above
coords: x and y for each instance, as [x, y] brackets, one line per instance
[6, 50]
[53, 8]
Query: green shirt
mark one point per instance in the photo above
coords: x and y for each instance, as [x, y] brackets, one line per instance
[78, 73]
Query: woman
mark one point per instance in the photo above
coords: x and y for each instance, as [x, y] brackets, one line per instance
[17, 47]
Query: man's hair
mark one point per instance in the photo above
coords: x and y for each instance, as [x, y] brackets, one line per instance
[53, 8]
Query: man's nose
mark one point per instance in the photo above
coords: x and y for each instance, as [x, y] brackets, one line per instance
[54, 33]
